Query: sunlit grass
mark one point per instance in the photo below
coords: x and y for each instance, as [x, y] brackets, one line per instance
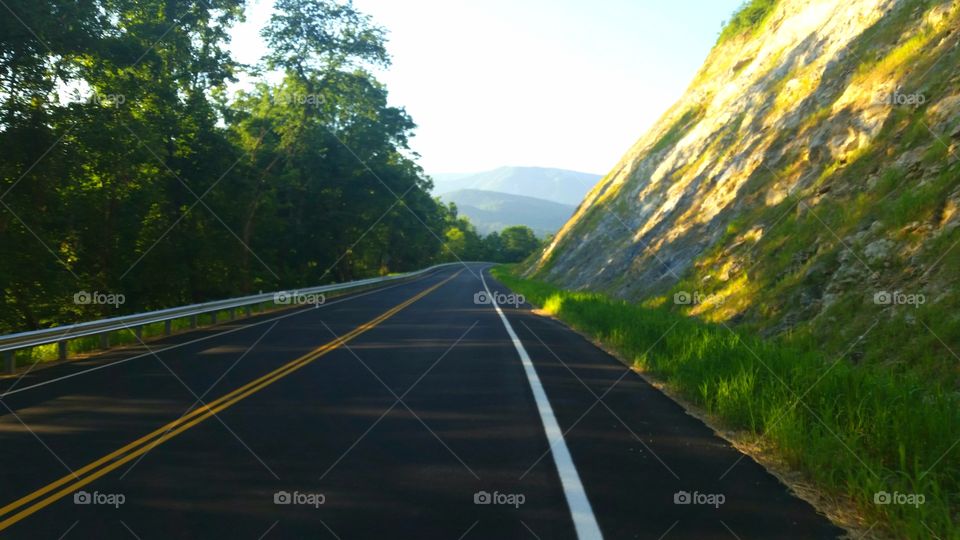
[898, 60]
[748, 18]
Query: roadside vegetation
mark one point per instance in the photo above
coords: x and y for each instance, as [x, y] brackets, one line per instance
[857, 431]
[511, 245]
[747, 18]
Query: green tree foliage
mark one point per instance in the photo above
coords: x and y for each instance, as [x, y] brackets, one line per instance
[463, 243]
[517, 243]
[747, 18]
[128, 168]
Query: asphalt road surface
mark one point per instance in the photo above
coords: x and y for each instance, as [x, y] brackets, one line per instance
[409, 411]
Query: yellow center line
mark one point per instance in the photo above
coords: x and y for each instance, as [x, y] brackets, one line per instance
[146, 443]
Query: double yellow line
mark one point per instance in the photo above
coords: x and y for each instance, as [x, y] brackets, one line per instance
[54, 491]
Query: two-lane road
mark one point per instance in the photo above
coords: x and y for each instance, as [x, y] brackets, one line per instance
[409, 411]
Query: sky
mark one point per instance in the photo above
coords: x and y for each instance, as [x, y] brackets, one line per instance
[570, 84]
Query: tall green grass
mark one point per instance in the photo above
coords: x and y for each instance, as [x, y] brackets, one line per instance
[747, 18]
[854, 430]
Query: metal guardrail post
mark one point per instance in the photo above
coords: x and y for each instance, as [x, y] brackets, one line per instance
[193, 321]
[104, 341]
[62, 350]
[248, 311]
[138, 331]
[233, 314]
[213, 317]
[9, 366]
[167, 327]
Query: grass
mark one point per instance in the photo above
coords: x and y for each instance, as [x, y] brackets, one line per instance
[678, 129]
[748, 17]
[858, 429]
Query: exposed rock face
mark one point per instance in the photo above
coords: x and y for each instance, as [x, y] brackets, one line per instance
[784, 178]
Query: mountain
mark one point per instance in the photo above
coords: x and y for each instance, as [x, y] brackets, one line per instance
[493, 211]
[557, 185]
[441, 178]
[807, 184]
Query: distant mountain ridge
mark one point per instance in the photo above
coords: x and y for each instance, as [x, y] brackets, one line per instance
[491, 211]
[557, 185]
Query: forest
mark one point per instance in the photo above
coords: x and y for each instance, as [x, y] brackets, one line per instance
[130, 168]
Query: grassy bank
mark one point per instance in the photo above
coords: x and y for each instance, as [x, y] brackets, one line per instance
[855, 431]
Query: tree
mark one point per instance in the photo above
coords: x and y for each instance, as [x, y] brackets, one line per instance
[519, 242]
[150, 180]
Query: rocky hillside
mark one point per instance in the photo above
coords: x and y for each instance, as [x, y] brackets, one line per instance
[806, 185]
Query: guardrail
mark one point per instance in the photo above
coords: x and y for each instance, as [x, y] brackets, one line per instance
[63, 334]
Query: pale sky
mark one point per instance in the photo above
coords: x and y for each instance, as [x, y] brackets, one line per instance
[570, 84]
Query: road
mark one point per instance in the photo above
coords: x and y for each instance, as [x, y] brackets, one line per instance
[407, 411]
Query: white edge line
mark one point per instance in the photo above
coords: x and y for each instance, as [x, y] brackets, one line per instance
[204, 338]
[580, 510]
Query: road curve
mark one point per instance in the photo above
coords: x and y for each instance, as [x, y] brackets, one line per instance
[409, 411]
